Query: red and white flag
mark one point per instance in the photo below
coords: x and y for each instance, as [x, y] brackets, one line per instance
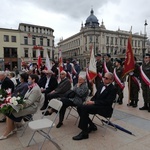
[92, 65]
[48, 63]
[60, 61]
[39, 59]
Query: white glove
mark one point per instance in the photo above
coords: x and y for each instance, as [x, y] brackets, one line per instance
[131, 73]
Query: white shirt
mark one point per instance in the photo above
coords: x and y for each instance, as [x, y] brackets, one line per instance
[47, 82]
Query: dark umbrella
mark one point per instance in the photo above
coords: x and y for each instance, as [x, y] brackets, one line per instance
[118, 127]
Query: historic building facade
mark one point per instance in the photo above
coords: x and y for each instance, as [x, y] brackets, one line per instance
[103, 41]
[22, 44]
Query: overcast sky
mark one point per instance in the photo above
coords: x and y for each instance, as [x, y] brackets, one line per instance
[66, 16]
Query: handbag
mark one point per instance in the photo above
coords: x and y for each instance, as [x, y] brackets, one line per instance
[70, 94]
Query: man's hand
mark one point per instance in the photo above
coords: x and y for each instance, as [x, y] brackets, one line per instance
[89, 102]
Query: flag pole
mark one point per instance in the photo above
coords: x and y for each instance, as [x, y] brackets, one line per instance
[129, 87]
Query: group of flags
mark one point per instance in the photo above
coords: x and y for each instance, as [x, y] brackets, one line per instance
[91, 72]
[129, 63]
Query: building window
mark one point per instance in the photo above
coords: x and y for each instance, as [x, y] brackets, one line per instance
[96, 39]
[138, 43]
[107, 39]
[41, 53]
[13, 38]
[26, 53]
[116, 41]
[90, 39]
[34, 53]
[26, 40]
[48, 42]
[6, 38]
[33, 40]
[120, 41]
[135, 43]
[41, 41]
[112, 40]
[10, 52]
[124, 42]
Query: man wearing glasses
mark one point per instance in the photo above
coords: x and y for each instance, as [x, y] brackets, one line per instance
[145, 82]
[100, 103]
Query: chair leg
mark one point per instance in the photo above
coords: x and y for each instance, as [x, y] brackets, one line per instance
[70, 108]
[31, 138]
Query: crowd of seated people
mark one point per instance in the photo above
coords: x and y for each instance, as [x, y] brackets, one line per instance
[32, 86]
[30, 105]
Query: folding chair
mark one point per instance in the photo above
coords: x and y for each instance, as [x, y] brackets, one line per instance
[73, 115]
[106, 119]
[40, 125]
[30, 117]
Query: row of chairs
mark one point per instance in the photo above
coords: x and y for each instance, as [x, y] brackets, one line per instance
[39, 126]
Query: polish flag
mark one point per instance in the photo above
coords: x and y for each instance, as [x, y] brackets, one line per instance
[39, 59]
[60, 61]
[48, 63]
[92, 65]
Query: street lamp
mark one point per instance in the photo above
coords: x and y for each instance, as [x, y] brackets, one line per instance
[144, 46]
[93, 27]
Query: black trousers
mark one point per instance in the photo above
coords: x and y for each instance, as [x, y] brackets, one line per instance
[84, 112]
[50, 96]
[66, 103]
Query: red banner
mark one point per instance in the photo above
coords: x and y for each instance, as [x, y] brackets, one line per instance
[129, 60]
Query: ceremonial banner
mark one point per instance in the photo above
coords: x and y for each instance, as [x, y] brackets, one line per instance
[39, 59]
[48, 63]
[129, 60]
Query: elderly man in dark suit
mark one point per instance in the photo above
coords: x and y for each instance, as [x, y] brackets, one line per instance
[100, 103]
[6, 83]
[61, 89]
[47, 83]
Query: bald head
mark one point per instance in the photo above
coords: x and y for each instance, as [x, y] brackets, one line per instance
[2, 75]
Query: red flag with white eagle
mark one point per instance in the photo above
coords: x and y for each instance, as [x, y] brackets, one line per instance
[92, 65]
[39, 59]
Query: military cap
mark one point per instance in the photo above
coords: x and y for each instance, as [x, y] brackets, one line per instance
[118, 60]
[98, 54]
[108, 55]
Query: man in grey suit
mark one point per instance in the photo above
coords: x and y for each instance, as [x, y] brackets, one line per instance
[61, 89]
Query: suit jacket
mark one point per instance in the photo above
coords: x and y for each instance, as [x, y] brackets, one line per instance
[51, 86]
[63, 86]
[32, 100]
[7, 83]
[21, 89]
[105, 99]
[81, 94]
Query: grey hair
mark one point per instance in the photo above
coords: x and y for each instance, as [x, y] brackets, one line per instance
[3, 73]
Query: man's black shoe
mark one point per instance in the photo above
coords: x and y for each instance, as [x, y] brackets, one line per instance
[59, 125]
[143, 108]
[3, 120]
[92, 128]
[81, 136]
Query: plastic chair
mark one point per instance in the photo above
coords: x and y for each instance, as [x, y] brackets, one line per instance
[105, 120]
[29, 117]
[40, 125]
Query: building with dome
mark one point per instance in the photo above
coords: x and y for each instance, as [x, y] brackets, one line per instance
[103, 41]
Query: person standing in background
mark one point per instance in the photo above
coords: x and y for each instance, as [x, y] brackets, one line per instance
[99, 68]
[145, 82]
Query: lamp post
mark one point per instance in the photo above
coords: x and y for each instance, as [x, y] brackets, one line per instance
[93, 27]
[144, 46]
